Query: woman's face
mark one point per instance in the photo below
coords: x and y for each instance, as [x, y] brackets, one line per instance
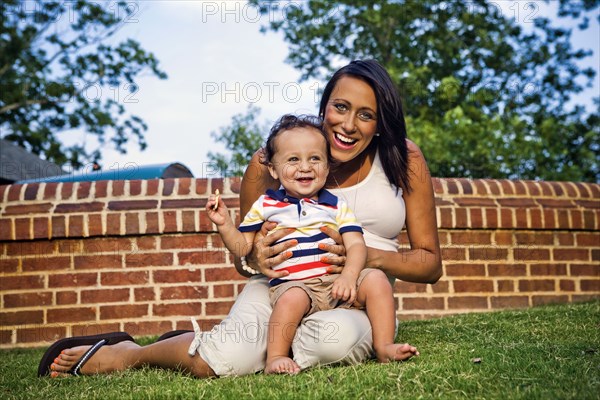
[350, 118]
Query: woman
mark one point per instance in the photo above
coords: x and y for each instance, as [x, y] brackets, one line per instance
[382, 176]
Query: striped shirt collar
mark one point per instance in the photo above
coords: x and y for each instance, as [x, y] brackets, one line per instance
[325, 197]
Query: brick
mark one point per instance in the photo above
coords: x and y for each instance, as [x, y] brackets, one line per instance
[132, 223]
[542, 300]
[565, 239]
[184, 203]
[66, 190]
[473, 285]
[152, 224]
[440, 287]
[94, 328]
[21, 318]
[101, 189]
[14, 192]
[571, 189]
[185, 309]
[590, 219]
[474, 202]
[571, 254]
[135, 188]
[452, 186]
[509, 301]
[548, 269]
[144, 294]
[118, 188]
[23, 249]
[202, 257]
[22, 228]
[445, 218]
[59, 226]
[176, 276]
[218, 307]
[72, 280]
[491, 218]
[122, 205]
[70, 247]
[588, 239]
[97, 261]
[470, 237]
[201, 186]
[467, 302]
[36, 299]
[409, 287]
[566, 285]
[506, 218]
[476, 218]
[507, 269]
[139, 260]
[170, 221]
[183, 242]
[116, 246]
[22, 281]
[40, 334]
[506, 286]
[124, 311]
[541, 285]
[124, 278]
[66, 297]
[576, 219]
[420, 303]
[590, 285]
[8, 265]
[531, 253]
[461, 218]
[46, 264]
[521, 218]
[546, 188]
[146, 243]
[146, 328]
[534, 238]
[152, 186]
[563, 219]
[104, 295]
[225, 290]
[465, 270]
[454, 253]
[516, 202]
[221, 274]
[535, 218]
[6, 229]
[488, 253]
[27, 209]
[50, 190]
[191, 292]
[556, 203]
[188, 221]
[73, 314]
[113, 224]
[550, 221]
[585, 270]
[75, 225]
[41, 227]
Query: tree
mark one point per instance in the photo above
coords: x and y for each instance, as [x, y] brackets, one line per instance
[60, 71]
[242, 138]
[484, 97]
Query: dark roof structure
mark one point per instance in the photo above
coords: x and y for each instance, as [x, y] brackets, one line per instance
[18, 164]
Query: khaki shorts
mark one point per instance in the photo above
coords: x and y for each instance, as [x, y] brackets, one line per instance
[318, 290]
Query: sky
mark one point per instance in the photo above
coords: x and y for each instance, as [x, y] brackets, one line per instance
[218, 62]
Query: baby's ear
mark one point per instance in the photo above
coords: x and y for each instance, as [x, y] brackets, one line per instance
[272, 171]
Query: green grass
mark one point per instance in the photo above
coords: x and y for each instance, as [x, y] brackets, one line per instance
[551, 352]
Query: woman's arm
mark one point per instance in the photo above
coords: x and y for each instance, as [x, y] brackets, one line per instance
[422, 262]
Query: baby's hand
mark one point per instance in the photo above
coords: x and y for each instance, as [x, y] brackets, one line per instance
[344, 289]
[216, 209]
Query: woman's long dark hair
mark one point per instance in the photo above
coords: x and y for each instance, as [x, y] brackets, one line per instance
[391, 127]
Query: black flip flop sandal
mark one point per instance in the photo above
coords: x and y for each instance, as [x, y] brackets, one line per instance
[172, 334]
[96, 341]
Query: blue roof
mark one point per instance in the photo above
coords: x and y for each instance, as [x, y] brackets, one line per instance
[127, 172]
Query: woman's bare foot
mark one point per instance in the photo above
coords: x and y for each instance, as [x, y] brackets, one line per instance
[282, 365]
[106, 359]
[396, 352]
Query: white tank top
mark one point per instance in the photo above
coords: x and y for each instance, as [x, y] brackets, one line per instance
[378, 207]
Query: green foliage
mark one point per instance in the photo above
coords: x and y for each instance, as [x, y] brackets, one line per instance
[242, 138]
[59, 71]
[484, 97]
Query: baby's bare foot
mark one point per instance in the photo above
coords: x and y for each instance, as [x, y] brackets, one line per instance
[105, 360]
[282, 365]
[396, 352]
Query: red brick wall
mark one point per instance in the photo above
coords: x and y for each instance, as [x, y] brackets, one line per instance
[141, 256]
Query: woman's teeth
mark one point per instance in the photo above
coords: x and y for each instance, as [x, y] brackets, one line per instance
[345, 139]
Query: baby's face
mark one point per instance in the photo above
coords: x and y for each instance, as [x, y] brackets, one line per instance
[300, 161]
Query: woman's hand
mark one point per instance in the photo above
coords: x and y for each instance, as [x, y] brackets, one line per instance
[337, 258]
[265, 255]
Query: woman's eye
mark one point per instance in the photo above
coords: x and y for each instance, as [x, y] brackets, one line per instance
[340, 107]
[365, 116]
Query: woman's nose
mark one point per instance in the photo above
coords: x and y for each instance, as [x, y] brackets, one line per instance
[348, 124]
